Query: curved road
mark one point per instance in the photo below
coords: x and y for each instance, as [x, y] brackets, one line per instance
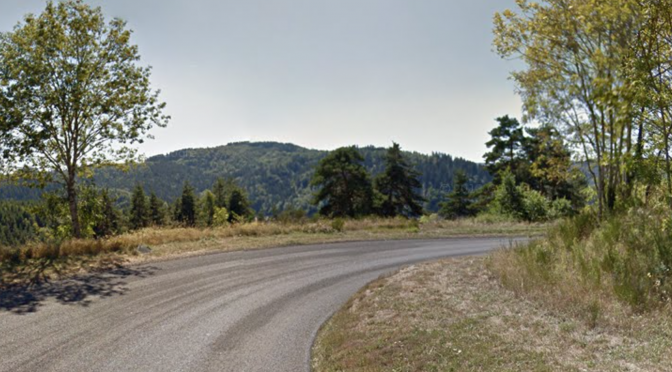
[240, 311]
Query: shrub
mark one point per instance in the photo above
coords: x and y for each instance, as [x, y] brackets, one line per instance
[338, 224]
[535, 206]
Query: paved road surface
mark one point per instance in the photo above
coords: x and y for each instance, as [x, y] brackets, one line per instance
[239, 311]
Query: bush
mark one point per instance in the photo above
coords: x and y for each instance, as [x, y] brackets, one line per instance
[535, 206]
[338, 224]
[561, 208]
[627, 257]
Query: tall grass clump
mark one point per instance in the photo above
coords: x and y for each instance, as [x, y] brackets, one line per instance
[583, 265]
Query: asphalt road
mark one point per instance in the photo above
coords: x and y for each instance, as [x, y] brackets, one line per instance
[239, 311]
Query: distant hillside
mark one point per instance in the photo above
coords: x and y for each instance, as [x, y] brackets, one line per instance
[274, 174]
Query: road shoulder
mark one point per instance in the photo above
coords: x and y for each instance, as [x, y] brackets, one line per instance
[452, 315]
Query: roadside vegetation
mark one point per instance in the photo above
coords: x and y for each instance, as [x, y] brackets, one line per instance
[596, 292]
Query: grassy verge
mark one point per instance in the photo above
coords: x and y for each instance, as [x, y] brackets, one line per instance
[38, 262]
[455, 315]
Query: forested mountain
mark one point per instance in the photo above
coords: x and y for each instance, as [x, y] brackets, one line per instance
[275, 175]
[17, 224]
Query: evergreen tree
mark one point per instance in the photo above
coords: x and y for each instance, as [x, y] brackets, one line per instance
[458, 203]
[509, 198]
[220, 193]
[506, 147]
[399, 186]
[187, 215]
[157, 214]
[208, 208]
[239, 206]
[110, 220]
[344, 184]
[139, 210]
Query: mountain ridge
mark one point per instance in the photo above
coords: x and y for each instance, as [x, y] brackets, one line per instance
[275, 175]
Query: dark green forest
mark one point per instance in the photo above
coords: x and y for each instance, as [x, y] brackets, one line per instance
[276, 176]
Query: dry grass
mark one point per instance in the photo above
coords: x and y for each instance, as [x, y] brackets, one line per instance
[453, 315]
[41, 261]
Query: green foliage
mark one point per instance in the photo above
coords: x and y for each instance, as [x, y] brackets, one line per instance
[157, 210]
[458, 203]
[186, 208]
[399, 186]
[72, 96]
[600, 73]
[110, 222]
[628, 256]
[338, 224]
[220, 192]
[536, 207]
[509, 199]
[207, 209]
[506, 148]
[344, 185]
[17, 224]
[561, 208]
[221, 217]
[239, 206]
[140, 212]
[274, 176]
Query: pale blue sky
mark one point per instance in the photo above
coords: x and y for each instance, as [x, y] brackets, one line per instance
[318, 73]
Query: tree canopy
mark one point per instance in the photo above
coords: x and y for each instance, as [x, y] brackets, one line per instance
[399, 186]
[72, 96]
[344, 184]
[599, 71]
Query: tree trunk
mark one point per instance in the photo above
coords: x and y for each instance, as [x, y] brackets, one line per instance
[72, 203]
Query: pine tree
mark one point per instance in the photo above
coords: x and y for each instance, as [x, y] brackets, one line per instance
[139, 210]
[458, 203]
[208, 208]
[219, 190]
[157, 214]
[399, 186]
[505, 146]
[110, 222]
[345, 185]
[187, 214]
[239, 206]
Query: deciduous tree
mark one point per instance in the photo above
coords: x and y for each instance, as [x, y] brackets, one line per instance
[72, 96]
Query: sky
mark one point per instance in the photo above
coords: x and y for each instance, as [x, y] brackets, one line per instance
[318, 73]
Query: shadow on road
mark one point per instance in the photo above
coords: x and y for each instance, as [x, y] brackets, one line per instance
[78, 290]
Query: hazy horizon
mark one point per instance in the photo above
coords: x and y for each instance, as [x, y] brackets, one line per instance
[318, 74]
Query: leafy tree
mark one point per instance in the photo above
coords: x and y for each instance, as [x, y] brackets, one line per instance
[139, 214]
[239, 206]
[506, 146]
[458, 203]
[72, 96]
[221, 217]
[583, 75]
[399, 186]
[344, 184]
[157, 213]
[187, 206]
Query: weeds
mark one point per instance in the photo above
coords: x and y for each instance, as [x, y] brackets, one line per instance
[583, 267]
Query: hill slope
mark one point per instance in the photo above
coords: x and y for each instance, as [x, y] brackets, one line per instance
[274, 174]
